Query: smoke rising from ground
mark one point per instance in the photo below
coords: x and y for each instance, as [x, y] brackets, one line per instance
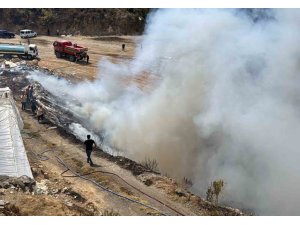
[227, 104]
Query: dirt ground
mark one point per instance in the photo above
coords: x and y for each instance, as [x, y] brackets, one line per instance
[98, 48]
[59, 195]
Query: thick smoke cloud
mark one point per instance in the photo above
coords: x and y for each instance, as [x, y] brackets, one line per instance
[226, 103]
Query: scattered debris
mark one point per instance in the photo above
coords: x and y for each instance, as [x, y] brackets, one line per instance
[67, 203]
[24, 183]
[2, 204]
[76, 196]
[41, 188]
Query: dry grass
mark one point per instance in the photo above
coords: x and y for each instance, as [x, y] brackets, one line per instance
[150, 164]
[110, 212]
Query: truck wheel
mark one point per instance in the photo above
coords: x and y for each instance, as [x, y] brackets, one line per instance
[58, 55]
[72, 58]
[29, 57]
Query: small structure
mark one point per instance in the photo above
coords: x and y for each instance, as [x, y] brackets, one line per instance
[13, 158]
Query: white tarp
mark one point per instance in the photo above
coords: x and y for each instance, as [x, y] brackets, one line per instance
[13, 158]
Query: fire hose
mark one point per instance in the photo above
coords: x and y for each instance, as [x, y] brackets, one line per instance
[82, 176]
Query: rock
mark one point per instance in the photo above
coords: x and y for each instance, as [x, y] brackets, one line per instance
[2, 191]
[55, 191]
[34, 172]
[67, 203]
[4, 184]
[66, 189]
[148, 182]
[46, 176]
[41, 188]
[180, 192]
[3, 178]
[75, 195]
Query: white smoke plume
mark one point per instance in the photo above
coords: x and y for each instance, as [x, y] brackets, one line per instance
[227, 104]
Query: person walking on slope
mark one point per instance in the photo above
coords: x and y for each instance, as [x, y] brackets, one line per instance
[89, 144]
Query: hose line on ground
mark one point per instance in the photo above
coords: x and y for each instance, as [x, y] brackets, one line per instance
[102, 187]
[113, 174]
[42, 157]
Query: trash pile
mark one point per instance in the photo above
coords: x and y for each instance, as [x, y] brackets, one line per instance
[11, 66]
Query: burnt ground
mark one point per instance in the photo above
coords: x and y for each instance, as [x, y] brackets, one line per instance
[56, 194]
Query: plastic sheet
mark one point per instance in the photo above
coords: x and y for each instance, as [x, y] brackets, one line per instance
[13, 158]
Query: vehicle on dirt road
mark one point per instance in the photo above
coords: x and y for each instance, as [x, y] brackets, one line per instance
[27, 34]
[6, 34]
[22, 51]
[73, 52]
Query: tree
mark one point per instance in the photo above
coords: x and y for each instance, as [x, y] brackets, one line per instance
[213, 192]
[218, 186]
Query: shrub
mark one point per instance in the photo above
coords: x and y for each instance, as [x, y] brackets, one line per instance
[150, 164]
[110, 212]
[214, 190]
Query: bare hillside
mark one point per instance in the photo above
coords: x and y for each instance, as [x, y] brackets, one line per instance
[80, 21]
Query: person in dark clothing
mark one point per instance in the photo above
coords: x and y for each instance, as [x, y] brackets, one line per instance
[33, 106]
[30, 92]
[89, 144]
[123, 47]
[87, 59]
[48, 31]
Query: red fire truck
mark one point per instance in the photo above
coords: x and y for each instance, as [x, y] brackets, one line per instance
[68, 50]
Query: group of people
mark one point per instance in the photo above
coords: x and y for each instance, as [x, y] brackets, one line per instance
[27, 99]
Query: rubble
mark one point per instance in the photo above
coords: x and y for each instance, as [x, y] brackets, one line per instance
[67, 203]
[41, 188]
[24, 183]
[2, 203]
[76, 196]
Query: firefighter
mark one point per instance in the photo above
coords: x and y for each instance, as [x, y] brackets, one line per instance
[33, 106]
[89, 145]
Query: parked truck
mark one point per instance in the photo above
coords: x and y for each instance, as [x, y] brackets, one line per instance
[66, 49]
[22, 51]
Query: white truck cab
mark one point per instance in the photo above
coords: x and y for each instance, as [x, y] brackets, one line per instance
[32, 51]
[27, 34]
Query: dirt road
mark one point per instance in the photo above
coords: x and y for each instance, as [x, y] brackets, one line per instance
[99, 47]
